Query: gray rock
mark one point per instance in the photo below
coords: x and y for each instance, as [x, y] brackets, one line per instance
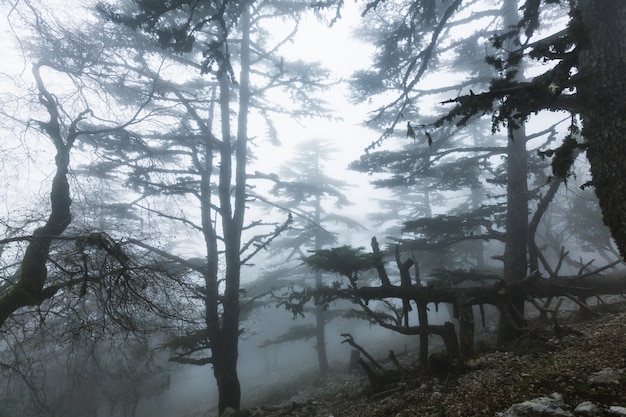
[617, 410]
[539, 407]
[229, 412]
[587, 409]
[607, 376]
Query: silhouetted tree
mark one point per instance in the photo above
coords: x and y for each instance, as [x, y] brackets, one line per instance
[581, 80]
[64, 118]
[452, 159]
[205, 157]
[303, 187]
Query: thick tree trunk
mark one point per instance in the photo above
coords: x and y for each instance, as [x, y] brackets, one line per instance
[225, 371]
[516, 244]
[33, 273]
[602, 65]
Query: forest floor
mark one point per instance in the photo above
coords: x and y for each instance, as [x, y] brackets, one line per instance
[539, 364]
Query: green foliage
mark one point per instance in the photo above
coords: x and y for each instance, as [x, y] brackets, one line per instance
[511, 102]
[452, 227]
[191, 341]
[373, 317]
[418, 164]
[344, 260]
[530, 19]
[182, 25]
[564, 156]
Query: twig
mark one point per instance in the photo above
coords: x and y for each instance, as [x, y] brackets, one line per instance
[602, 268]
[584, 266]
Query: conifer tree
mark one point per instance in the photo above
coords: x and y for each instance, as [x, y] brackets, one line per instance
[305, 187]
[231, 65]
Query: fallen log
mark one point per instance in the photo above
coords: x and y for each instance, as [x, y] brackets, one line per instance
[534, 286]
[500, 294]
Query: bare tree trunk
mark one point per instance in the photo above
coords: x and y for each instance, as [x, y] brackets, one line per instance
[320, 322]
[320, 347]
[516, 244]
[28, 289]
[225, 339]
[466, 330]
[422, 314]
[602, 65]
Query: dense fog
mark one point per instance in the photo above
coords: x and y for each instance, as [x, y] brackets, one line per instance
[206, 202]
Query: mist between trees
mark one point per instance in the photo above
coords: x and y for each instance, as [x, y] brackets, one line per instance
[172, 243]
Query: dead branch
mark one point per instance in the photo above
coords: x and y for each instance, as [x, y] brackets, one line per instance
[373, 377]
[584, 266]
[350, 340]
[562, 257]
[380, 267]
[582, 305]
[396, 362]
[603, 268]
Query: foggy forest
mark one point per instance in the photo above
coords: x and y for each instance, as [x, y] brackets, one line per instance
[311, 208]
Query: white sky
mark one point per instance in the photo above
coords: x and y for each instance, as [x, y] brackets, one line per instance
[333, 46]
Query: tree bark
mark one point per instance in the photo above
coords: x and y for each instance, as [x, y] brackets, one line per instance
[320, 321]
[516, 243]
[422, 314]
[33, 272]
[224, 339]
[602, 65]
[466, 330]
[320, 346]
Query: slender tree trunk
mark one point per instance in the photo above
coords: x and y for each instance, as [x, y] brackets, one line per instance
[225, 341]
[477, 200]
[225, 371]
[602, 65]
[320, 336]
[516, 244]
[223, 329]
[320, 323]
[428, 208]
[544, 202]
[422, 317]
